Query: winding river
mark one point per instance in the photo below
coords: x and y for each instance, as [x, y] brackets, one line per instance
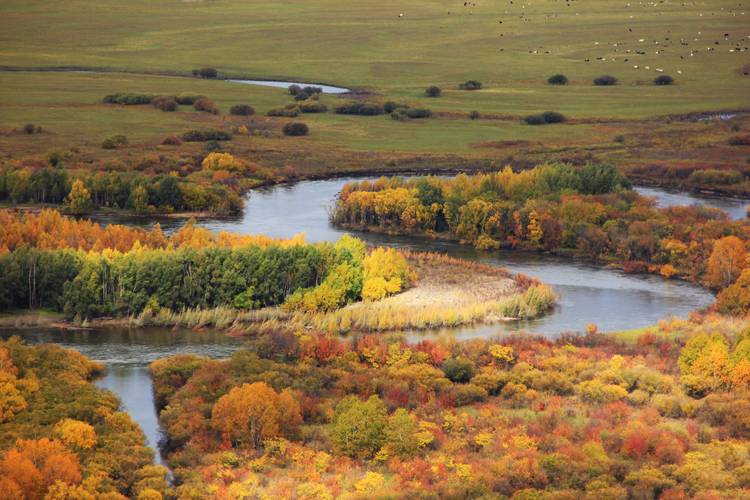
[588, 294]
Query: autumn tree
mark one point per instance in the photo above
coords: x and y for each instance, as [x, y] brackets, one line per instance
[35, 465]
[79, 198]
[535, 228]
[139, 199]
[359, 426]
[252, 413]
[76, 434]
[727, 260]
[735, 299]
[704, 363]
[385, 272]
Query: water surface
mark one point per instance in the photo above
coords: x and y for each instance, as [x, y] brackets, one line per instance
[327, 89]
[126, 353]
[735, 207]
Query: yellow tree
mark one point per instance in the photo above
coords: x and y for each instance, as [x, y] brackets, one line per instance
[253, 413]
[79, 198]
[76, 434]
[726, 261]
[385, 272]
[535, 228]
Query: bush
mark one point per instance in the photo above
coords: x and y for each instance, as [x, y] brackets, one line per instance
[470, 85]
[206, 72]
[241, 110]
[663, 80]
[557, 80]
[418, 113]
[740, 140]
[114, 142]
[313, 107]
[544, 118]
[165, 103]
[171, 140]
[534, 120]
[294, 89]
[459, 370]
[474, 115]
[212, 147]
[30, 128]
[128, 99]
[433, 91]
[605, 80]
[188, 99]
[553, 117]
[207, 105]
[390, 106]
[206, 135]
[715, 177]
[288, 112]
[296, 129]
[360, 108]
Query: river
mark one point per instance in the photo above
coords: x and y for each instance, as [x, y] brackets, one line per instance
[588, 294]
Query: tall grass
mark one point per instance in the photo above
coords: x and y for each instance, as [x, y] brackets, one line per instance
[372, 317]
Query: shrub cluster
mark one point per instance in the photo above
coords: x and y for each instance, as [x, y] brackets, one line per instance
[605, 80]
[557, 80]
[128, 99]
[289, 111]
[30, 128]
[114, 142]
[715, 177]
[171, 140]
[306, 91]
[740, 140]
[187, 99]
[296, 129]
[360, 108]
[663, 80]
[312, 106]
[545, 118]
[207, 105]
[470, 85]
[242, 110]
[433, 91]
[206, 72]
[164, 103]
[206, 135]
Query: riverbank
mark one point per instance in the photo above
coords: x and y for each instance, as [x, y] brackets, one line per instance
[447, 293]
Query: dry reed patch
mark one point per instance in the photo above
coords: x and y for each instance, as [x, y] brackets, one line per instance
[449, 283]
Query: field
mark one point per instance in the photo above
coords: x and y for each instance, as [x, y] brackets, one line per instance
[151, 47]
[367, 45]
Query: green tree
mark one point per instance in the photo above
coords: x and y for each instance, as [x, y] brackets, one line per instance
[139, 199]
[401, 434]
[359, 426]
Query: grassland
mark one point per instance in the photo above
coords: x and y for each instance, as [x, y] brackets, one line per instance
[511, 47]
[152, 46]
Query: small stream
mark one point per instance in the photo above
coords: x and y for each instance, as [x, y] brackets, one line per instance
[327, 89]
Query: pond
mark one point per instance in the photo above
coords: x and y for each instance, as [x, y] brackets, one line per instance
[327, 89]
